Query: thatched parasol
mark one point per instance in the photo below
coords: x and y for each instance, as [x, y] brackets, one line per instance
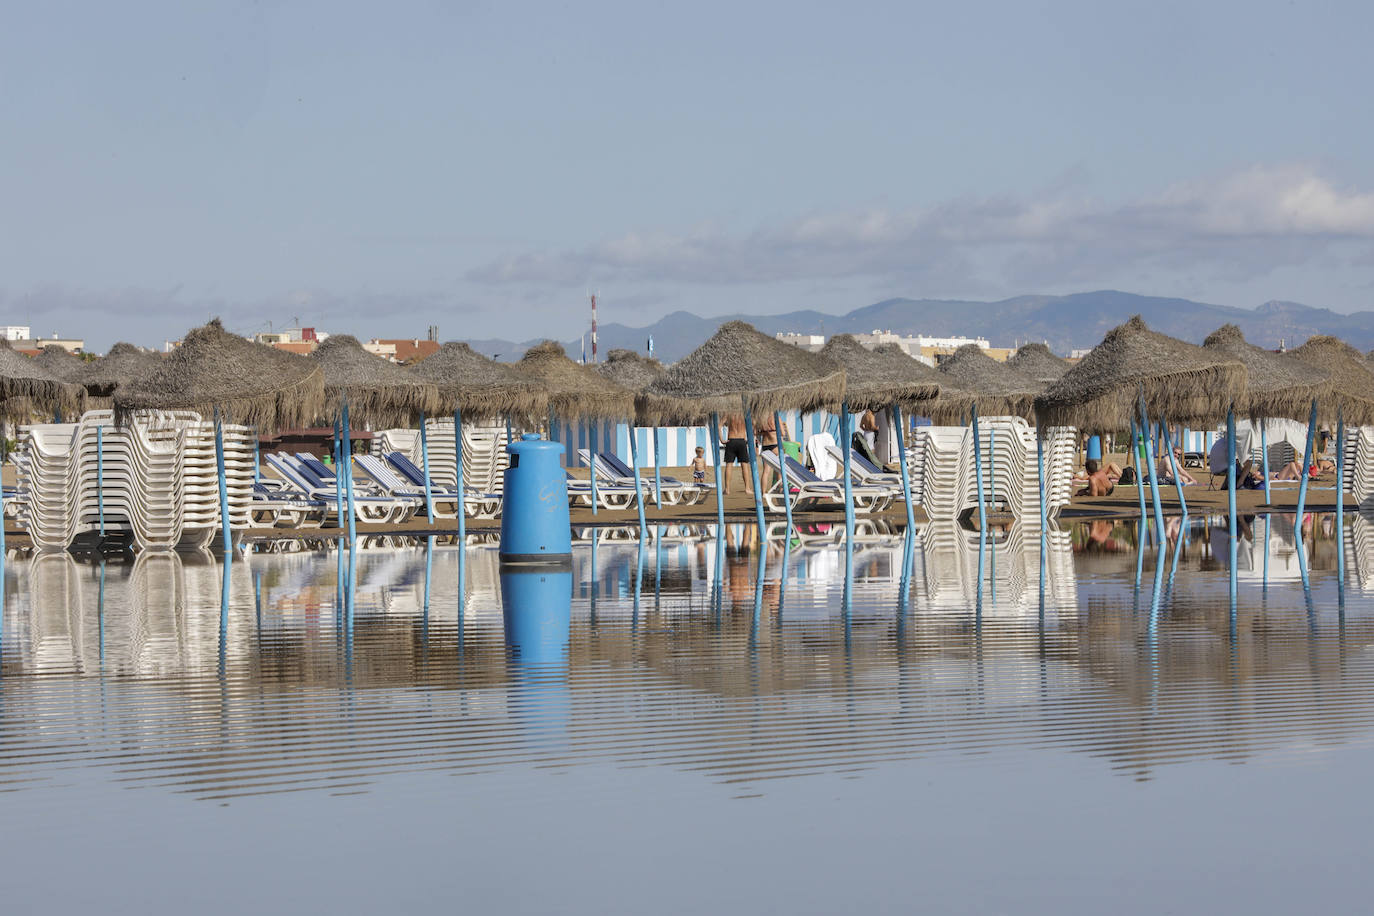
[61, 363]
[876, 379]
[1036, 361]
[1182, 382]
[996, 388]
[1352, 381]
[123, 365]
[480, 388]
[1275, 386]
[33, 388]
[630, 370]
[575, 391]
[379, 393]
[248, 382]
[740, 362]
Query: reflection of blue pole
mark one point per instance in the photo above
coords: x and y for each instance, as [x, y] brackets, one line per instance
[658, 466]
[100, 476]
[1173, 468]
[459, 487]
[1307, 460]
[782, 577]
[639, 489]
[781, 454]
[1153, 467]
[1264, 461]
[901, 460]
[754, 465]
[99, 607]
[978, 594]
[223, 486]
[759, 572]
[224, 610]
[847, 430]
[1139, 553]
[429, 573]
[1040, 482]
[978, 472]
[424, 467]
[720, 483]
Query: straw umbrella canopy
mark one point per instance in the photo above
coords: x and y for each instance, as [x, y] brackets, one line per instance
[121, 366]
[247, 382]
[1352, 381]
[378, 392]
[33, 388]
[61, 363]
[1036, 361]
[1275, 386]
[1182, 382]
[996, 388]
[477, 387]
[630, 370]
[738, 362]
[876, 379]
[575, 391]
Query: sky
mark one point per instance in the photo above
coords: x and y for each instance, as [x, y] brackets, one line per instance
[378, 168]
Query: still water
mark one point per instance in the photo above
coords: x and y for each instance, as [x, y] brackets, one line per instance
[691, 724]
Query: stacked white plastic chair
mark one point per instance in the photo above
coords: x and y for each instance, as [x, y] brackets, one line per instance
[484, 452]
[1359, 465]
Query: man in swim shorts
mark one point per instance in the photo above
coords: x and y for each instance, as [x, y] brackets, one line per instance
[736, 451]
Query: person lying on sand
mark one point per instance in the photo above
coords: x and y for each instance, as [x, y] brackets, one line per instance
[1166, 474]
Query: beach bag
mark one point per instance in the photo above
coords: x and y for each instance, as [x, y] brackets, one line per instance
[1127, 476]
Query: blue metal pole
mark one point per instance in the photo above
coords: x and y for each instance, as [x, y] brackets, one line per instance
[100, 476]
[1044, 509]
[782, 471]
[901, 459]
[346, 466]
[223, 489]
[591, 465]
[1307, 460]
[847, 430]
[754, 464]
[1173, 467]
[462, 493]
[1135, 459]
[720, 491]
[1154, 471]
[338, 476]
[639, 489]
[1340, 480]
[978, 471]
[1231, 478]
[424, 465]
[992, 465]
[658, 466]
[1264, 462]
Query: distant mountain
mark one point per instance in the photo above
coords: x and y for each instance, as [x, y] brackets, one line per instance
[1064, 322]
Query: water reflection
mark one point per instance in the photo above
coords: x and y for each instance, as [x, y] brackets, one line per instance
[744, 658]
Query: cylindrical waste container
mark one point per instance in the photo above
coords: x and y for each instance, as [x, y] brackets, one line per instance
[534, 511]
[1094, 448]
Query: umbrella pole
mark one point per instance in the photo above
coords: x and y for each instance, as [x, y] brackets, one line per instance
[338, 476]
[347, 466]
[846, 430]
[639, 490]
[720, 490]
[1044, 510]
[1231, 470]
[223, 488]
[782, 471]
[424, 464]
[1135, 459]
[1340, 478]
[1264, 461]
[462, 492]
[1173, 466]
[901, 460]
[591, 465]
[100, 476]
[978, 471]
[753, 464]
[658, 468]
[1307, 460]
[1154, 470]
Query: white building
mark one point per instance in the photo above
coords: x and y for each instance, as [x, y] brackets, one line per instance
[15, 332]
[812, 342]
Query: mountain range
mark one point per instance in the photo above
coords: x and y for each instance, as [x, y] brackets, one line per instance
[1065, 323]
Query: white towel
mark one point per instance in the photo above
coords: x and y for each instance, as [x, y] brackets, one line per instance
[818, 449]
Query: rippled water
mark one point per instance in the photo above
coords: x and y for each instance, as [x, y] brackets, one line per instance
[693, 724]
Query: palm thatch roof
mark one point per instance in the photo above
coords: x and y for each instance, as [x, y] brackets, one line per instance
[1182, 382]
[61, 363]
[1352, 381]
[1275, 386]
[575, 391]
[41, 391]
[480, 388]
[630, 370]
[121, 366]
[379, 393]
[739, 366]
[876, 379]
[996, 388]
[1036, 360]
[247, 382]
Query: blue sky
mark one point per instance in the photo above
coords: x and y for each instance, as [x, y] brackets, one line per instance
[378, 168]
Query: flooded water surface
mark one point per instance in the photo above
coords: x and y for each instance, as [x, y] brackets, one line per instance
[689, 723]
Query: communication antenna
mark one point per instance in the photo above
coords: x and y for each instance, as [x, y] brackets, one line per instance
[592, 296]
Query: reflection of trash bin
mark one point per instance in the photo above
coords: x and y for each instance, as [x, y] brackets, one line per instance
[534, 512]
[1094, 448]
[536, 608]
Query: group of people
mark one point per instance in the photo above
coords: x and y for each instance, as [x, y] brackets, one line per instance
[1100, 480]
[768, 438]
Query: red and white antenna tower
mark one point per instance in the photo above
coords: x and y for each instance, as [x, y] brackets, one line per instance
[592, 296]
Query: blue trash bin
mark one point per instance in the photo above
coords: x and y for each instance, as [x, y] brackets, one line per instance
[1094, 448]
[535, 528]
